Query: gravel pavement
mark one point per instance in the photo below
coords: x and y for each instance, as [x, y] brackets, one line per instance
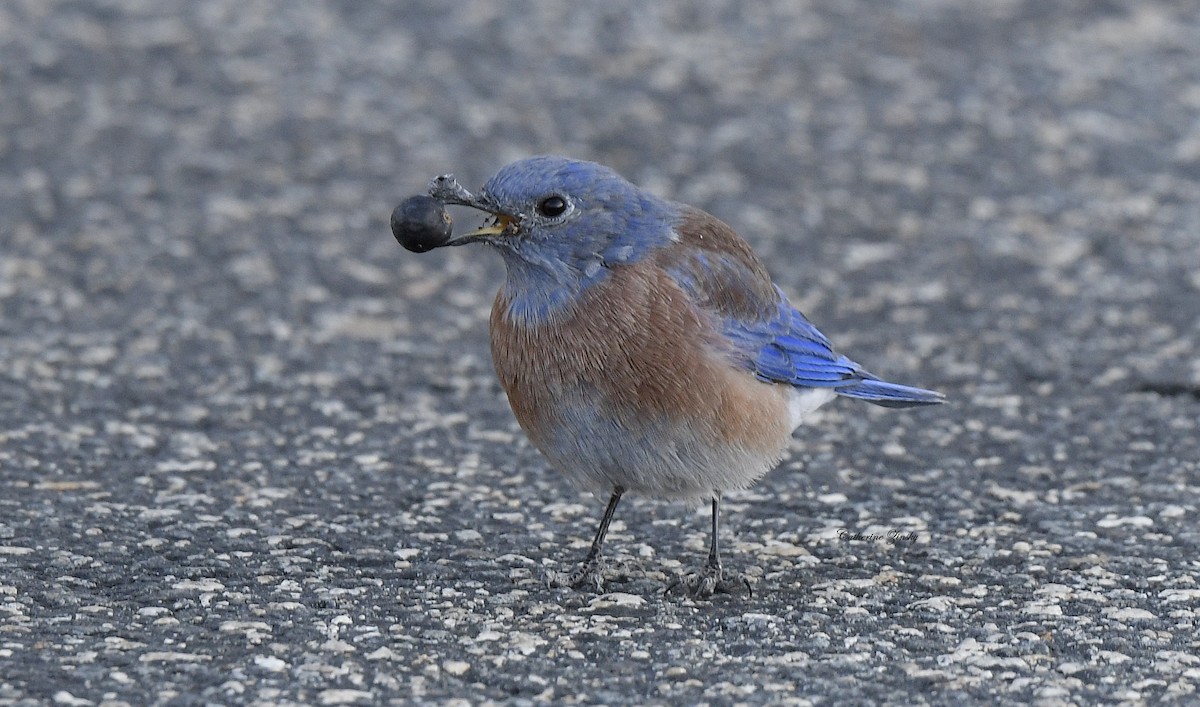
[252, 452]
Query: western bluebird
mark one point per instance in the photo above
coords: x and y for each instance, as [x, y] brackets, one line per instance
[643, 346]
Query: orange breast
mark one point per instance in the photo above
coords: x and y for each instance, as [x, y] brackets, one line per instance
[634, 363]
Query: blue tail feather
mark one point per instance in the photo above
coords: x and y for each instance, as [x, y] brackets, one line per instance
[889, 395]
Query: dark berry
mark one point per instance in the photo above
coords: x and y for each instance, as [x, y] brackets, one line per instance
[420, 224]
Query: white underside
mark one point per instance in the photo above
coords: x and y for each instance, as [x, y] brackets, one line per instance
[666, 461]
[802, 401]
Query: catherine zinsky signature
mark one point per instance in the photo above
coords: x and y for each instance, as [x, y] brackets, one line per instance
[894, 537]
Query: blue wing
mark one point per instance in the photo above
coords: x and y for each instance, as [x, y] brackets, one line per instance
[789, 349]
[767, 335]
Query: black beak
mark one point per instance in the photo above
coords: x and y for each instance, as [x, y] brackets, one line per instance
[447, 190]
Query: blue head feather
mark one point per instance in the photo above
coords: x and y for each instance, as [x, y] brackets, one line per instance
[552, 259]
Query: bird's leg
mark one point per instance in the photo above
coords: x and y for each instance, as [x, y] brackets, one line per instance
[591, 572]
[712, 579]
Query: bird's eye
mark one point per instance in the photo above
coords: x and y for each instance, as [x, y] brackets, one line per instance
[552, 206]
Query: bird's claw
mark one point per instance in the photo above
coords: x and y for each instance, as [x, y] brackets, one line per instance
[709, 581]
[589, 575]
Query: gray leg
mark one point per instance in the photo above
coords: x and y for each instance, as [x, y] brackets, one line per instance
[712, 579]
[590, 572]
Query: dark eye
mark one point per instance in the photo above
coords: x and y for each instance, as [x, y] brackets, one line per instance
[552, 206]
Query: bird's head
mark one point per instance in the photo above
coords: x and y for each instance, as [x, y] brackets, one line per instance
[564, 222]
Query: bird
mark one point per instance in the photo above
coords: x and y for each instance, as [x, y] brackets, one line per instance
[644, 348]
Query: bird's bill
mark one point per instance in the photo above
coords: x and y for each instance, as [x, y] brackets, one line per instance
[447, 190]
[501, 225]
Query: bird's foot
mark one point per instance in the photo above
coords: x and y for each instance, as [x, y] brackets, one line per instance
[709, 581]
[589, 575]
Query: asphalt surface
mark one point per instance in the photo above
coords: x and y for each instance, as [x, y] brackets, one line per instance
[252, 452]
